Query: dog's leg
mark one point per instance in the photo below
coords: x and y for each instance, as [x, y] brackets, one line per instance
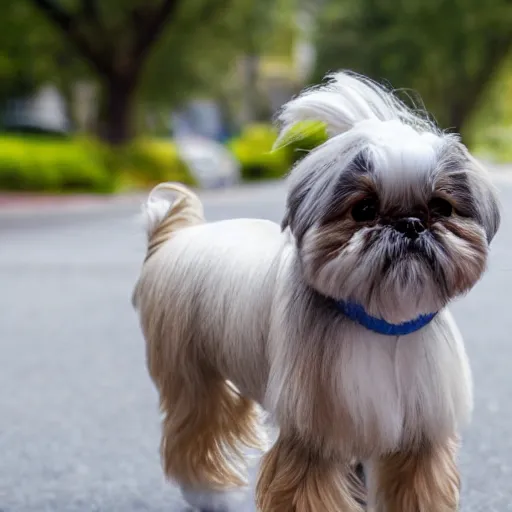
[296, 478]
[207, 425]
[425, 479]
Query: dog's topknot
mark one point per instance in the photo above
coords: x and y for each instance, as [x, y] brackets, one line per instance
[345, 100]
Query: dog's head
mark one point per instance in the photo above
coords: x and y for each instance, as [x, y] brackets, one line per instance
[389, 212]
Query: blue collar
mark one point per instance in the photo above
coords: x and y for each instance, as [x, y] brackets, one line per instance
[357, 313]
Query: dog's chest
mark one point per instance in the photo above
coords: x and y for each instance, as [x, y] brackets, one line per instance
[400, 389]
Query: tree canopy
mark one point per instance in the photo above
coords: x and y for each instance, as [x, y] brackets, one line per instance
[150, 51]
[29, 50]
[159, 52]
[446, 50]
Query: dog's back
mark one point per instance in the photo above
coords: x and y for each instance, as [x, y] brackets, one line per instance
[215, 282]
[198, 279]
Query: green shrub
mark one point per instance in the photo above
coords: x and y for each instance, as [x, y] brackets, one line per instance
[146, 162]
[254, 148]
[55, 164]
[303, 137]
[34, 163]
[60, 164]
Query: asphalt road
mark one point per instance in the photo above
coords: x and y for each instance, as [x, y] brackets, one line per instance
[79, 427]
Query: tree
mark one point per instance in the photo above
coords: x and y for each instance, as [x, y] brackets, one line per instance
[447, 50]
[115, 42]
[153, 49]
[115, 39]
[207, 54]
[26, 62]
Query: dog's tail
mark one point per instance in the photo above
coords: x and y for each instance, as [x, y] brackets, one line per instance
[169, 208]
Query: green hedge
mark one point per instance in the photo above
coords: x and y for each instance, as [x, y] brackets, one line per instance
[254, 148]
[35, 163]
[51, 164]
[147, 162]
[60, 164]
[304, 137]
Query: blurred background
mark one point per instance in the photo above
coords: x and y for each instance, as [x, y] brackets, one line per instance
[110, 95]
[102, 99]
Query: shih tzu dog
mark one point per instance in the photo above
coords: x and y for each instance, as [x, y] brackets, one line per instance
[335, 322]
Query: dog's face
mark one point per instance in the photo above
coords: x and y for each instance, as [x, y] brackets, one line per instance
[393, 219]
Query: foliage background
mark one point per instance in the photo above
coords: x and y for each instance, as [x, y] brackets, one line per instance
[145, 58]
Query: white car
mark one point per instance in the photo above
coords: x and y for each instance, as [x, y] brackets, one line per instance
[211, 164]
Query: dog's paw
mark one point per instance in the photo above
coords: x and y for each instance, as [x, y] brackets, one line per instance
[205, 500]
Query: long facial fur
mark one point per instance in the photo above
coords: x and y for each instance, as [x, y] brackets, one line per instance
[403, 167]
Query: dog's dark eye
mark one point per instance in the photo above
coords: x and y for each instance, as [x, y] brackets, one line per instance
[365, 210]
[440, 207]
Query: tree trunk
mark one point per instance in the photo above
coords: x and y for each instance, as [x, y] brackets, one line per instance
[251, 90]
[118, 110]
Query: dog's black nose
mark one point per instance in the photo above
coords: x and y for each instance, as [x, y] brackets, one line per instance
[411, 227]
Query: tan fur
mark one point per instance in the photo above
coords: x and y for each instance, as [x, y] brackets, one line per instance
[329, 241]
[294, 478]
[471, 239]
[204, 429]
[186, 211]
[422, 481]
[206, 421]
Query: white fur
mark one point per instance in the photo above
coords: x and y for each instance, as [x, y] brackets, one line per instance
[236, 283]
[241, 261]
[410, 385]
[155, 209]
[248, 263]
[345, 101]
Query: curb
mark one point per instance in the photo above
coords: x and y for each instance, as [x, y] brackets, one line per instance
[44, 211]
[19, 211]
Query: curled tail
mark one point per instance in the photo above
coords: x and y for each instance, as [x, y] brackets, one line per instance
[170, 207]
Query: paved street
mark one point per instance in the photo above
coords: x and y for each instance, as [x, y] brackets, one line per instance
[79, 427]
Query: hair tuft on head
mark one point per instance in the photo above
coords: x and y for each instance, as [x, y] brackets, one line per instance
[345, 100]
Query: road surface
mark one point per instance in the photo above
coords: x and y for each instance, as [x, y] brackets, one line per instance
[79, 427]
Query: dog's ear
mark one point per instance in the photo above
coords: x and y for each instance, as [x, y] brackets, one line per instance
[489, 204]
[286, 220]
[303, 136]
[486, 196]
[490, 211]
[298, 214]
